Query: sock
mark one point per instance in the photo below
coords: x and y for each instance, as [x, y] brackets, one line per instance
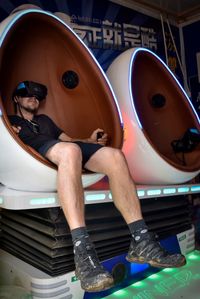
[78, 233]
[138, 229]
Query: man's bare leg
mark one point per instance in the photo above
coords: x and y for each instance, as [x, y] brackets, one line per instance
[112, 162]
[67, 156]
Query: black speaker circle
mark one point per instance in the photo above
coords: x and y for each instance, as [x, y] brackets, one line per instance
[70, 79]
[158, 100]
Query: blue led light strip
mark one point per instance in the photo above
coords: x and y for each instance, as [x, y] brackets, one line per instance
[195, 188]
[169, 190]
[141, 193]
[183, 189]
[98, 196]
[42, 201]
[154, 192]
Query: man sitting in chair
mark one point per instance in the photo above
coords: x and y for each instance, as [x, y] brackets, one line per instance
[71, 155]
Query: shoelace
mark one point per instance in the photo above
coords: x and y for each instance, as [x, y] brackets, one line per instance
[151, 247]
[88, 268]
[89, 260]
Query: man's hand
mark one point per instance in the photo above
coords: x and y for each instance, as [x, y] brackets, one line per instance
[94, 137]
[16, 129]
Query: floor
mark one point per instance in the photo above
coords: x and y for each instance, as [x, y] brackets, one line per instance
[181, 283]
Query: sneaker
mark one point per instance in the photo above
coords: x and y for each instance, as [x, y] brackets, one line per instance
[93, 276]
[149, 251]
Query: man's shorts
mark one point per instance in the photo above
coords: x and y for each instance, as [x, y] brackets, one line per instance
[87, 149]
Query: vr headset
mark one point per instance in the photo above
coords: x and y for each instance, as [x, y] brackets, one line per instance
[30, 89]
[188, 142]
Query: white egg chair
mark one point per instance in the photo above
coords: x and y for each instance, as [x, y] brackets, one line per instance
[156, 113]
[36, 45]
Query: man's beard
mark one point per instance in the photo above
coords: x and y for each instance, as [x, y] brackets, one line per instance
[31, 110]
[28, 109]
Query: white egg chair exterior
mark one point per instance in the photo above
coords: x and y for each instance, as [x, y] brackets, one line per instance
[21, 169]
[147, 164]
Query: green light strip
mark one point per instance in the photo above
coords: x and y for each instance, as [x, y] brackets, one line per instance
[120, 293]
[168, 283]
[138, 284]
[42, 201]
[1, 200]
[194, 256]
[169, 270]
[95, 197]
[154, 277]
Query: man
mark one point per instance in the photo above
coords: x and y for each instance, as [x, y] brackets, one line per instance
[70, 155]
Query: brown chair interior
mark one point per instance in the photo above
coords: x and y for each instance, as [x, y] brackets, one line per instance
[41, 49]
[163, 125]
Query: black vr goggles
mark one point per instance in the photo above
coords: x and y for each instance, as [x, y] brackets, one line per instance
[30, 89]
[188, 142]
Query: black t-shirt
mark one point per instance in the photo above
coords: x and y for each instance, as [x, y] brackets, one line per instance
[45, 127]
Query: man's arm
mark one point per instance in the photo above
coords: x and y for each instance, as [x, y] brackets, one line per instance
[91, 139]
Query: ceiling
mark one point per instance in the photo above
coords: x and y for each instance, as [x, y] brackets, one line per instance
[182, 10]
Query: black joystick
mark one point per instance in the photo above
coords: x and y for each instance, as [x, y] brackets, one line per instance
[100, 135]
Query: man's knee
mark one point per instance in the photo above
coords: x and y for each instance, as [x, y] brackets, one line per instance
[117, 155]
[66, 152]
[112, 155]
[71, 152]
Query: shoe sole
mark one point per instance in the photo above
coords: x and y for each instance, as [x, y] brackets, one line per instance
[98, 287]
[156, 264]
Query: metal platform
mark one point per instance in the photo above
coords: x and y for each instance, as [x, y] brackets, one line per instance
[15, 272]
[18, 200]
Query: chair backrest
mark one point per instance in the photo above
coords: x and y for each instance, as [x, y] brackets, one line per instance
[40, 48]
[163, 109]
